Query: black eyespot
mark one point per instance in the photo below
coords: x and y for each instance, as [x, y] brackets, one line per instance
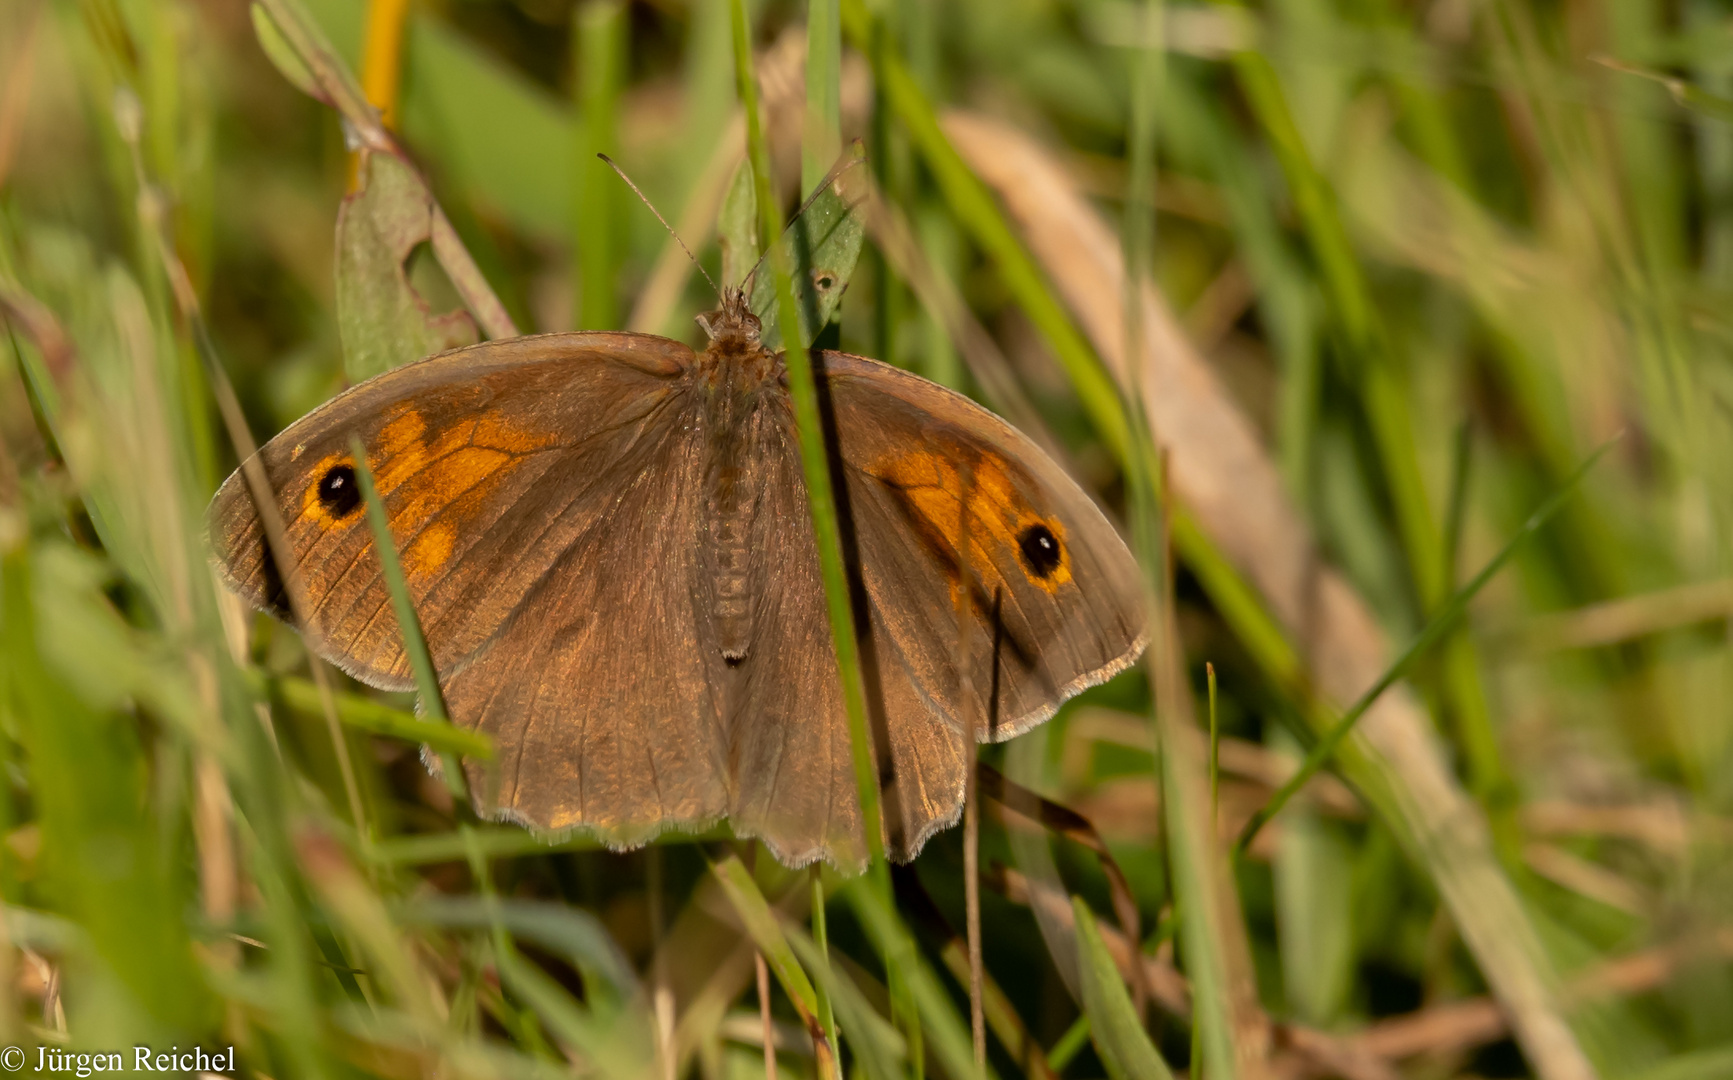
[823, 280]
[339, 492]
[1040, 550]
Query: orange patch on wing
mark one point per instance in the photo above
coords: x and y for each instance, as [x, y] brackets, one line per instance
[421, 473]
[495, 431]
[934, 487]
[428, 553]
[403, 433]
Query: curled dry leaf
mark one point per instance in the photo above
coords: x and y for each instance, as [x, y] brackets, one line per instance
[1224, 477]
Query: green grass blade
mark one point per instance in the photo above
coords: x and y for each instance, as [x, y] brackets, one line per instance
[86, 772]
[821, 247]
[878, 1047]
[1113, 1023]
[1440, 624]
[408, 623]
[766, 932]
[1357, 313]
[365, 714]
[821, 138]
[616, 1043]
[1067, 1046]
[815, 467]
[599, 60]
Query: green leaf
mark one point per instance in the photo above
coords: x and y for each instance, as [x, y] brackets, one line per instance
[283, 56]
[1113, 1025]
[384, 322]
[821, 246]
[737, 227]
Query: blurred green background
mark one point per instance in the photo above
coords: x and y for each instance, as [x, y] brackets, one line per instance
[1410, 265]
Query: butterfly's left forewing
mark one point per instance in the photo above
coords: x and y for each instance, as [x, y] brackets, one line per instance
[946, 498]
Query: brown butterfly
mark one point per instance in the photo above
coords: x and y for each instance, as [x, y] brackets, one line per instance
[606, 537]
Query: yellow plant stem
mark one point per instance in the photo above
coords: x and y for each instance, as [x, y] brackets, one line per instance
[382, 56]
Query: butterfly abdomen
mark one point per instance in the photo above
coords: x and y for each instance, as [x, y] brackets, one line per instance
[731, 498]
[730, 509]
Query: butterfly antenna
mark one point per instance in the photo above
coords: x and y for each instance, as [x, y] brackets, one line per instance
[645, 199]
[847, 161]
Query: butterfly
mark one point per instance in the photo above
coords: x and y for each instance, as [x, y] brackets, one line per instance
[607, 541]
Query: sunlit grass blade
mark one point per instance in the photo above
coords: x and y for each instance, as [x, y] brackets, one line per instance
[366, 714]
[403, 605]
[1113, 1022]
[1439, 625]
[815, 467]
[766, 933]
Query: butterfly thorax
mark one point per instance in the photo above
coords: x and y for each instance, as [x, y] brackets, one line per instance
[736, 372]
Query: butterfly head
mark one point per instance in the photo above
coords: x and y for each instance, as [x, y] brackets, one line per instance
[733, 323]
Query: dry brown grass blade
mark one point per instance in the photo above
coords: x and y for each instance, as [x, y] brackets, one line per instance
[1223, 476]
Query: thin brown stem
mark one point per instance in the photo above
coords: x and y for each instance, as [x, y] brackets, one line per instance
[764, 1015]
